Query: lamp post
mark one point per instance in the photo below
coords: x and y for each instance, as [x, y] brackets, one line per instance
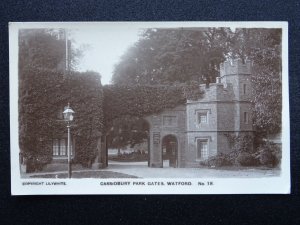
[68, 116]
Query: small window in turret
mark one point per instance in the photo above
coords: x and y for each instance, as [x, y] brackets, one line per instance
[245, 89]
[246, 118]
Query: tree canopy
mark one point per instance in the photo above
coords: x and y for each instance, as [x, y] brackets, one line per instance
[263, 47]
[184, 55]
[168, 56]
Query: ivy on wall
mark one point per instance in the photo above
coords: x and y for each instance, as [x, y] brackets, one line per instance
[45, 93]
[143, 100]
[43, 96]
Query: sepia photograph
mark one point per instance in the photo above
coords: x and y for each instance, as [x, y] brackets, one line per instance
[149, 108]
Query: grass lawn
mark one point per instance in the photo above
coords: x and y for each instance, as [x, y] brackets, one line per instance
[86, 174]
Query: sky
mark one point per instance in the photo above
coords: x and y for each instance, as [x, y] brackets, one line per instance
[106, 41]
[105, 46]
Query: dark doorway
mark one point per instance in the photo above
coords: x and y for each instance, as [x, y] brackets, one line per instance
[169, 150]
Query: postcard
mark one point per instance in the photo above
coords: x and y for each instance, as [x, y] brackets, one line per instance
[149, 108]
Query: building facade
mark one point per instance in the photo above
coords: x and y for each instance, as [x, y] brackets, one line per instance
[191, 133]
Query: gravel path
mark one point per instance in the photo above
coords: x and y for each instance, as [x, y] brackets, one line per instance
[140, 169]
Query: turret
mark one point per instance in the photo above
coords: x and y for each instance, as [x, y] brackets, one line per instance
[237, 73]
[236, 66]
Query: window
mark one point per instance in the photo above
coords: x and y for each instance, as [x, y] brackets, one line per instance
[246, 118]
[169, 121]
[55, 147]
[63, 150]
[202, 149]
[202, 117]
[60, 147]
[244, 88]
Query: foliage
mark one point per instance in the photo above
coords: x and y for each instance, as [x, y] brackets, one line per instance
[177, 56]
[246, 159]
[240, 143]
[219, 160]
[263, 47]
[170, 56]
[127, 130]
[128, 157]
[40, 49]
[269, 154]
[35, 162]
[142, 100]
[44, 90]
[46, 97]
[46, 48]
[125, 106]
[241, 154]
[161, 71]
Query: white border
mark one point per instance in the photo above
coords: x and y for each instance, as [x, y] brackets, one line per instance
[270, 185]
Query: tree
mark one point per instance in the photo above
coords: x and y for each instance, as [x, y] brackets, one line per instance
[177, 56]
[170, 56]
[263, 47]
[127, 130]
[46, 48]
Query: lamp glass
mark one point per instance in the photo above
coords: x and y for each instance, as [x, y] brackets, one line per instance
[68, 114]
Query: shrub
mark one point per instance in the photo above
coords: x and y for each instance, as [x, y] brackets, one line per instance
[240, 143]
[131, 157]
[246, 159]
[266, 158]
[269, 154]
[217, 161]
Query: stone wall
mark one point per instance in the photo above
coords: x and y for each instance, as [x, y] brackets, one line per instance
[160, 126]
[235, 67]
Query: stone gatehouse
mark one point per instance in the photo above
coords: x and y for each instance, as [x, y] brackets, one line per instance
[197, 130]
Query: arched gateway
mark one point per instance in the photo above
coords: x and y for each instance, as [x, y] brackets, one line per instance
[169, 151]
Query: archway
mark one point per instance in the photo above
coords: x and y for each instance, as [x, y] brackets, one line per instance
[170, 151]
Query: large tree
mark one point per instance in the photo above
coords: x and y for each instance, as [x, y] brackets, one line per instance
[168, 56]
[46, 48]
[127, 131]
[263, 47]
[172, 56]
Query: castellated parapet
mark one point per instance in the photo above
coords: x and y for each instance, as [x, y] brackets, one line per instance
[236, 67]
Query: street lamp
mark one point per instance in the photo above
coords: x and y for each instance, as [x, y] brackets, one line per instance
[68, 116]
